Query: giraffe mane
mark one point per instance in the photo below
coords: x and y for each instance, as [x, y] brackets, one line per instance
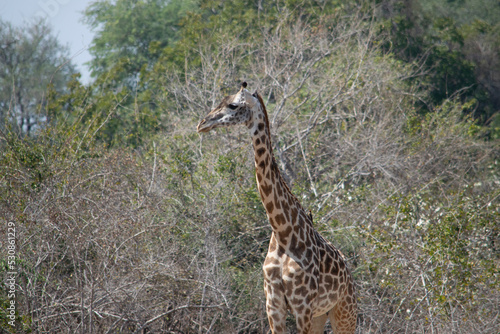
[274, 164]
[261, 101]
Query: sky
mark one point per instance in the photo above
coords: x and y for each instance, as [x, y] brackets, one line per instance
[65, 17]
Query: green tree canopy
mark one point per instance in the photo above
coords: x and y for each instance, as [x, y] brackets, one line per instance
[130, 33]
[457, 43]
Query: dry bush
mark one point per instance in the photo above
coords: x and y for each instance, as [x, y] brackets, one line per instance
[106, 243]
[99, 249]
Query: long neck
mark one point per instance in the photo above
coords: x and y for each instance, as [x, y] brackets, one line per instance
[283, 209]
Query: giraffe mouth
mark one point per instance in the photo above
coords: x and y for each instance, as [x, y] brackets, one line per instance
[203, 126]
[210, 122]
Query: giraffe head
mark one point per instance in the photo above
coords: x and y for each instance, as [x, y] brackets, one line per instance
[234, 109]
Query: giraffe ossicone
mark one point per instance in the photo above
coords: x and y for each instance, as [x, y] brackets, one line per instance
[303, 272]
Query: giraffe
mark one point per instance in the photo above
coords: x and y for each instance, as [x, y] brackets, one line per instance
[302, 271]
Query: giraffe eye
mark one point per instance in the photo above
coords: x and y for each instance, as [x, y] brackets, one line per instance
[233, 106]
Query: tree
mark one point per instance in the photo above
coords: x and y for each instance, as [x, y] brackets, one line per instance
[31, 59]
[131, 33]
[456, 43]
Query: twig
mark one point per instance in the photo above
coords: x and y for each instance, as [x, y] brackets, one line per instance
[154, 168]
[313, 187]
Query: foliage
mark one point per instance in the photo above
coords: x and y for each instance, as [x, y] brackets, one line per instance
[115, 118]
[31, 59]
[455, 42]
[131, 34]
[449, 249]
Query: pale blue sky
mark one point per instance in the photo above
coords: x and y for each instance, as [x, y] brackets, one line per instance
[65, 17]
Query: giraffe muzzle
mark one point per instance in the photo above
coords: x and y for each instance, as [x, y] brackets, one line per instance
[203, 126]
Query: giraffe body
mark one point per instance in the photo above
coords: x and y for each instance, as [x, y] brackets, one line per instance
[302, 271]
